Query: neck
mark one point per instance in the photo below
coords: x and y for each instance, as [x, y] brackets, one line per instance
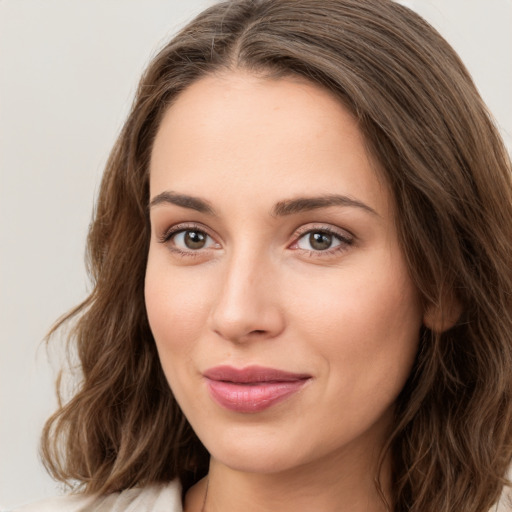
[326, 486]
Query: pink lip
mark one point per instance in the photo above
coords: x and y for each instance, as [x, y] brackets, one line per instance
[251, 389]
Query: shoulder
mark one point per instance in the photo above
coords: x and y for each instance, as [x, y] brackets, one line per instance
[153, 498]
[505, 502]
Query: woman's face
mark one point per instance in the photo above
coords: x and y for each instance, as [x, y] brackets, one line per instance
[283, 313]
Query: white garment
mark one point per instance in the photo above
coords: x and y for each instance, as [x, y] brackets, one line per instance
[153, 498]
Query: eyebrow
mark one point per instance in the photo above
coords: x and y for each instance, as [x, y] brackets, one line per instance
[183, 200]
[302, 204]
[280, 209]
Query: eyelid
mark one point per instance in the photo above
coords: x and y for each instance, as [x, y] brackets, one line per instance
[342, 234]
[183, 226]
[166, 238]
[345, 237]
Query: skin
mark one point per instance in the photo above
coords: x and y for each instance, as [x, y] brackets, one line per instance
[258, 292]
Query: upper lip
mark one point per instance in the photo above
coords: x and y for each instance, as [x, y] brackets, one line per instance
[252, 374]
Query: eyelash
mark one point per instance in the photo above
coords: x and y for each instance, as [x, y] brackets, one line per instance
[167, 236]
[346, 240]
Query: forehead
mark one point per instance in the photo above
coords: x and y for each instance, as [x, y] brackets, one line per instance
[255, 134]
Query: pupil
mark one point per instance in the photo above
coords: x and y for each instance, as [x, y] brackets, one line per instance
[195, 239]
[320, 241]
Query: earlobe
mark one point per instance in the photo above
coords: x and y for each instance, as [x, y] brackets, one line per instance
[443, 316]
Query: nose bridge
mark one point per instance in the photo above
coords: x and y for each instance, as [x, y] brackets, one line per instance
[247, 302]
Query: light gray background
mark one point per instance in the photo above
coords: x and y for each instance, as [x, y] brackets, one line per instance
[68, 71]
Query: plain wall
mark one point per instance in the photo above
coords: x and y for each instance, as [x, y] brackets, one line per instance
[68, 71]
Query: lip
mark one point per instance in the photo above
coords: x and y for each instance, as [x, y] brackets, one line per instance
[252, 389]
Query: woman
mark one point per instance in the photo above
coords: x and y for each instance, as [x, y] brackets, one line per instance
[302, 264]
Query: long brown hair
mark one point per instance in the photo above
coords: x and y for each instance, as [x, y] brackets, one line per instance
[451, 180]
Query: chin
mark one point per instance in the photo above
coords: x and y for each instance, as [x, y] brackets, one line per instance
[251, 452]
[256, 461]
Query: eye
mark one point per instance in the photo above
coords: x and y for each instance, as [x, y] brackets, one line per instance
[191, 239]
[318, 241]
[322, 240]
[187, 240]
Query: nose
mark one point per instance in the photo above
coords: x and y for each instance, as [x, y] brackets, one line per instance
[247, 305]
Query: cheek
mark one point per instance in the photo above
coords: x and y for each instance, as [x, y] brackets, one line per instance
[176, 306]
[371, 301]
[365, 325]
[177, 310]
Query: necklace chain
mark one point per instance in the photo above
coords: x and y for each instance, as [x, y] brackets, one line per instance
[205, 494]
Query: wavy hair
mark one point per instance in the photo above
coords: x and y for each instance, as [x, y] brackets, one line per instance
[450, 177]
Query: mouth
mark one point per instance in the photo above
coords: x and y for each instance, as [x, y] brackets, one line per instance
[252, 389]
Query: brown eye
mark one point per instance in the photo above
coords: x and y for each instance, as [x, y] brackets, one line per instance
[190, 240]
[320, 241]
[194, 239]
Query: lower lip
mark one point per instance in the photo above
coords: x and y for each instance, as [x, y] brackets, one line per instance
[249, 398]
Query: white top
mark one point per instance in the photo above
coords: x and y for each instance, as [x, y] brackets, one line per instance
[154, 498]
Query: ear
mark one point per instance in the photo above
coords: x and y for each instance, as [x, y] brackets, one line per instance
[443, 316]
